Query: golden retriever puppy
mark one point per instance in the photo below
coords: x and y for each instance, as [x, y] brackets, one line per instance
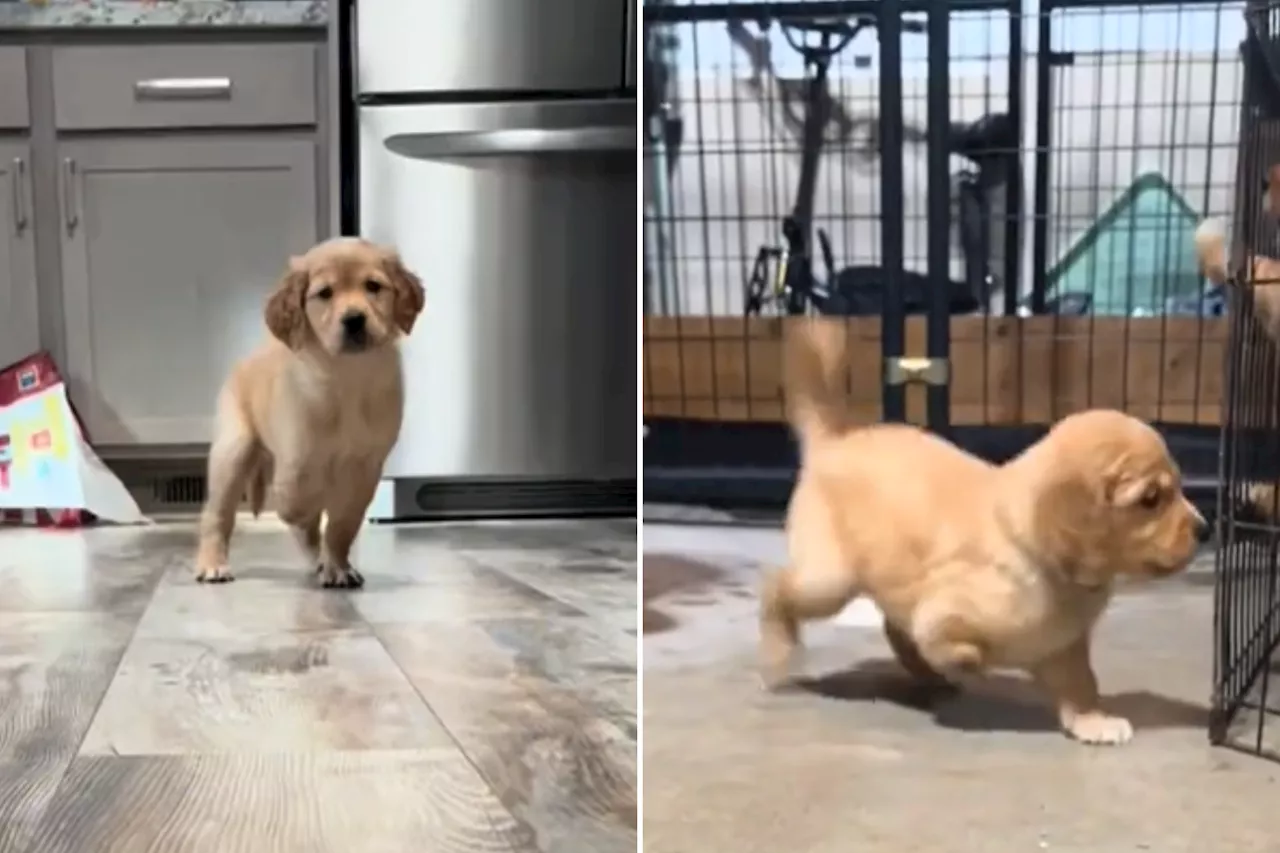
[1263, 274]
[316, 410]
[1263, 278]
[974, 566]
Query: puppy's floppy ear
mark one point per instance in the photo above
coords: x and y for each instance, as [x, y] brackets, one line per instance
[1129, 491]
[286, 309]
[409, 295]
[1068, 516]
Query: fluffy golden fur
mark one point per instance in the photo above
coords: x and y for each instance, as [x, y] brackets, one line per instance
[1263, 278]
[1263, 273]
[974, 566]
[316, 410]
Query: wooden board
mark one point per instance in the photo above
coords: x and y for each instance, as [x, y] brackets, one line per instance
[1005, 370]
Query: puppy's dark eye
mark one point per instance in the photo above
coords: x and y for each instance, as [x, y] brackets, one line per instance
[373, 287]
[324, 294]
[1151, 499]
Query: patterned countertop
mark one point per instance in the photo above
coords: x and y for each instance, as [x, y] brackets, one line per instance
[15, 14]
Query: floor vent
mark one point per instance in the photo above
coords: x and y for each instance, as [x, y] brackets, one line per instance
[163, 487]
[514, 498]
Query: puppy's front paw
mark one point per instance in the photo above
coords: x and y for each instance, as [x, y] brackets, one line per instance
[213, 572]
[1100, 729]
[779, 668]
[333, 576]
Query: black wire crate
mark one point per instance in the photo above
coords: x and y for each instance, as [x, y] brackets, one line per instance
[1247, 588]
[1264, 25]
[1247, 582]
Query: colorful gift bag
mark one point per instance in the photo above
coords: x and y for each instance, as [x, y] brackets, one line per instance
[49, 475]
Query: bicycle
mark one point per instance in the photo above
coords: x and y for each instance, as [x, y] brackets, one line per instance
[990, 144]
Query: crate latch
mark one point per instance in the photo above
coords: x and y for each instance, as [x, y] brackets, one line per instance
[917, 371]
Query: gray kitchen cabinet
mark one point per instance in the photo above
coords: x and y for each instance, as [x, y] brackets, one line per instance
[19, 317]
[170, 247]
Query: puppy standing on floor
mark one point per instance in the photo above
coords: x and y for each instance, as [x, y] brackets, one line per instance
[315, 411]
[974, 566]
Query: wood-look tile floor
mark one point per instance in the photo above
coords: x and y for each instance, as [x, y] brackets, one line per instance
[479, 694]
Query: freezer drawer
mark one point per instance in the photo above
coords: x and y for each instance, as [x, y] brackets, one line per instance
[521, 220]
[495, 45]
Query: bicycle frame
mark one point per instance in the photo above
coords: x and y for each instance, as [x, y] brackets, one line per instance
[794, 284]
[797, 229]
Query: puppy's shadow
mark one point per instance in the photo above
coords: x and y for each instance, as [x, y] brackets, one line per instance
[995, 702]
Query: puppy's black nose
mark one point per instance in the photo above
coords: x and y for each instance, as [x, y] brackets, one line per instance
[1204, 531]
[353, 324]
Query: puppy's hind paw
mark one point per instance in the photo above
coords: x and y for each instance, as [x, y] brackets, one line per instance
[214, 573]
[339, 577]
[1099, 729]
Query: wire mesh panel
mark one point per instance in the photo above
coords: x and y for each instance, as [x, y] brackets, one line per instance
[1086, 141]
[1247, 592]
[751, 216]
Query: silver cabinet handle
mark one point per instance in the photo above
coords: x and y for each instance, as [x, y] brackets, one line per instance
[494, 143]
[70, 203]
[182, 88]
[19, 185]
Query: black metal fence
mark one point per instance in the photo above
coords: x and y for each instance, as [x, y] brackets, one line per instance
[1247, 592]
[999, 204]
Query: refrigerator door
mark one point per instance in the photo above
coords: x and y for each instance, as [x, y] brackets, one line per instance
[417, 46]
[521, 220]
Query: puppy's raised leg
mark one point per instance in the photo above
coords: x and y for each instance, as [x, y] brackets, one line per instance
[1069, 678]
[791, 596]
[299, 504]
[346, 509]
[946, 640]
[231, 457]
[307, 535]
[904, 649]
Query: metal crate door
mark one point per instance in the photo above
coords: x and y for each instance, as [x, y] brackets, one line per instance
[1247, 581]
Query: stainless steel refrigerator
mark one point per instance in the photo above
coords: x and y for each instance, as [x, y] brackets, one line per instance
[493, 142]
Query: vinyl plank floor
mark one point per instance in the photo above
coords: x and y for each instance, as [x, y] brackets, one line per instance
[560, 757]
[341, 802]
[594, 582]
[479, 694]
[613, 536]
[44, 571]
[245, 608]
[320, 690]
[54, 670]
[484, 593]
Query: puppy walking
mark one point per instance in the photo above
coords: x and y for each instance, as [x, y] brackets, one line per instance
[974, 566]
[314, 412]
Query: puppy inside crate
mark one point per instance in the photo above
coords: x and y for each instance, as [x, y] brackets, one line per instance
[1258, 271]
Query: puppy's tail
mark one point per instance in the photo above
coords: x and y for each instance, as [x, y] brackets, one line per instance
[1211, 249]
[814, 368]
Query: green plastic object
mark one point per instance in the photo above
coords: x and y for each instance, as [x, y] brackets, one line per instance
[1138, 256]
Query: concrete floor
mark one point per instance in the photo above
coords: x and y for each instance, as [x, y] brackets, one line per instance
[479, 694]
[858, 762]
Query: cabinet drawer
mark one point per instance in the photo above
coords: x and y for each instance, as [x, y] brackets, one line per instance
[101, 88]
[13, 94]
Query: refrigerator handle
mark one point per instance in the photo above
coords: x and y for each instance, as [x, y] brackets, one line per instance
[512, 141]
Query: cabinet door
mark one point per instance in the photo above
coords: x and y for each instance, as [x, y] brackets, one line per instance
[170, 248]
[19, 322]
